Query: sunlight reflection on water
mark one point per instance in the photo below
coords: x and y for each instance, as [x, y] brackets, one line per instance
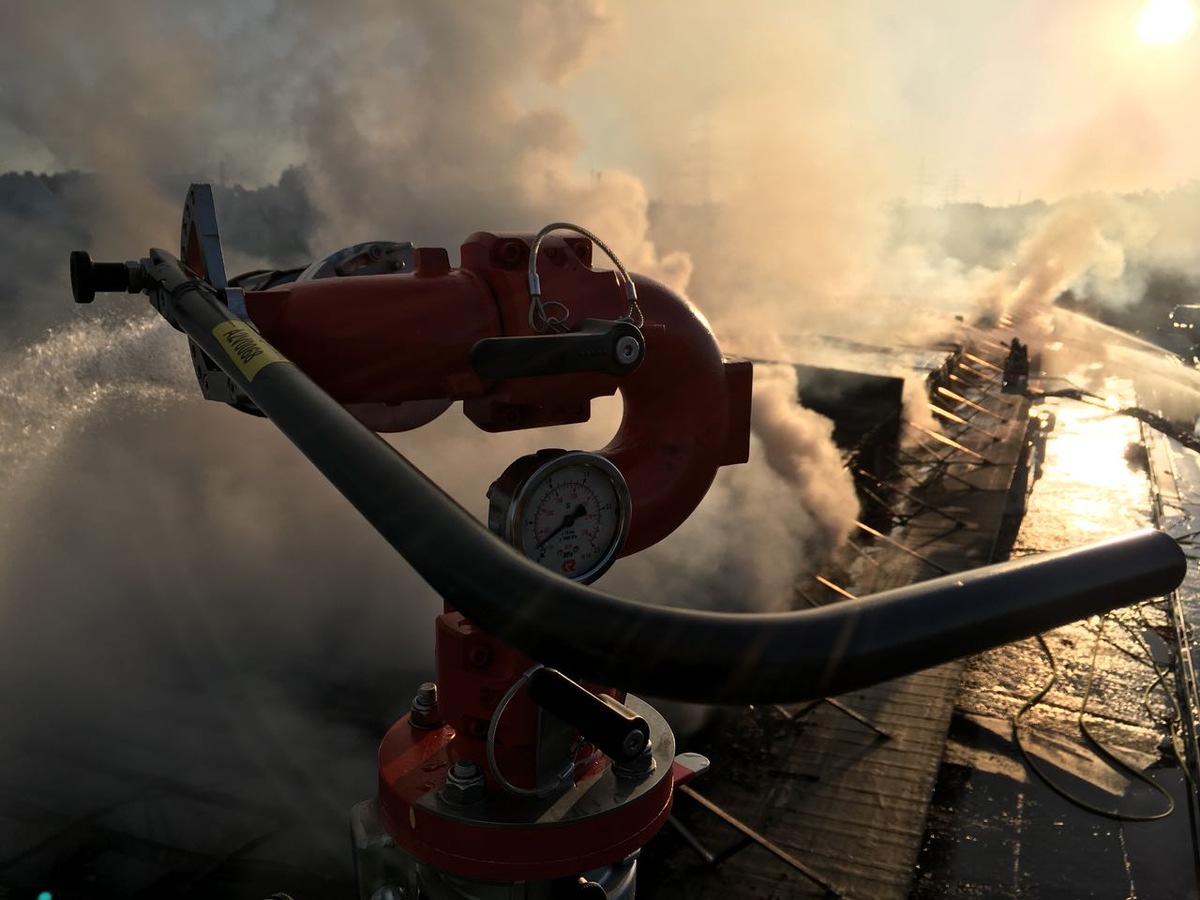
[1094, 483]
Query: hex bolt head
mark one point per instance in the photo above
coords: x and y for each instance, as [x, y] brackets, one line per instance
[634, 743]
[464, 784]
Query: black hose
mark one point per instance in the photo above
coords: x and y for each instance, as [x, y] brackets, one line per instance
[667, 652]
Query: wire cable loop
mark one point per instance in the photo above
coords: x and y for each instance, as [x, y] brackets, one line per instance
[490, 744]
[540, 319]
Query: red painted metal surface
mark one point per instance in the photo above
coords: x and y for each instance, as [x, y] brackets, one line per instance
[379, 342]
[474, 672]
[394, 349]
[412, 763]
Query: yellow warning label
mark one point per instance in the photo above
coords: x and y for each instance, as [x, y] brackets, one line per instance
[249, 352]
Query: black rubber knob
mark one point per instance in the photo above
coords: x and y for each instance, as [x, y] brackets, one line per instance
[88, 278]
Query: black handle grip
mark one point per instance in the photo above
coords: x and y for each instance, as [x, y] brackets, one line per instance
[616, 729]
[594, 345]
[88, 278]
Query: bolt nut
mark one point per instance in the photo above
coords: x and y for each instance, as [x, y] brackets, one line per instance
[462, 796]
[629, 350]
[637, 769]
[464, 784]
[426, 698]
[634, 743]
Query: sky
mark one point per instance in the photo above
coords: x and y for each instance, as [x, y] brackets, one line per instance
[806, 122]
[992, 100]
[995, 100]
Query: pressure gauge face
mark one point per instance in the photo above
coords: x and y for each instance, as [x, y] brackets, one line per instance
[565, 510]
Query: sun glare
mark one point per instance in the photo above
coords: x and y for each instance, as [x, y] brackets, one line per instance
[1165, 21]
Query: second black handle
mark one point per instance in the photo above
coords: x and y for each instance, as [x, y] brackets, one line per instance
[619, 732]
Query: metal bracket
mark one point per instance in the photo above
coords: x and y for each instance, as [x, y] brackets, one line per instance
[199, 239]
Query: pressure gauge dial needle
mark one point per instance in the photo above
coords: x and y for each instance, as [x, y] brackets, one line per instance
[566, 510]
[567, 522]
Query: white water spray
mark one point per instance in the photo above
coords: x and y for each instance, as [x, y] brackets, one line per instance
[49, 390]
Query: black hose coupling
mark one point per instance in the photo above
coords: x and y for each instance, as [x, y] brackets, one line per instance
[88, 278]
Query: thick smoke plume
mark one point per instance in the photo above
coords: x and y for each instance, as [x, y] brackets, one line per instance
[1081, 243]
[167, 559]
[1126, 259]
[797, 446]
[764, 523]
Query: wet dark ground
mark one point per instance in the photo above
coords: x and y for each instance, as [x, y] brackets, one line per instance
[996, 827]
[994, 835]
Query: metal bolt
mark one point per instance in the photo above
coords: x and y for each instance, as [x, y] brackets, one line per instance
[634, 743]
[464, 784]
[425, 698]
[465, 770]
[589, 890]
[628, 350]
[424, 707]
[639, 768]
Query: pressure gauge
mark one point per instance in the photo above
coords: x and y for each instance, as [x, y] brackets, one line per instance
[567, 510]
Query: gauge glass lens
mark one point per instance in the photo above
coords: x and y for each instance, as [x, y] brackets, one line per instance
[571, 520]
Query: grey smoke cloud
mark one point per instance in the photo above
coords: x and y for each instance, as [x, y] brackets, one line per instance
[175, 576]
[171, 562]
[762, 524]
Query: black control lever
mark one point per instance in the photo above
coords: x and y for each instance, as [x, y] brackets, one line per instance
[594, 345]
[619, 732]
[88, 278]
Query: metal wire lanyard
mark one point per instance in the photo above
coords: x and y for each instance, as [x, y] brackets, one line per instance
[552, 315]
[490, 746]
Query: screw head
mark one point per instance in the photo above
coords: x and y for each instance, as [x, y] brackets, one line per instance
[628, 350]
[634, 743]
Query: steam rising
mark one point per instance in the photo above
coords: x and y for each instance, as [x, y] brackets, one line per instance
[762, 524]
[1082, 243]
[165, 556]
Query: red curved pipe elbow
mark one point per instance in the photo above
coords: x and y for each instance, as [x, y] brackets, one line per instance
[687, 413]
[380, 343]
